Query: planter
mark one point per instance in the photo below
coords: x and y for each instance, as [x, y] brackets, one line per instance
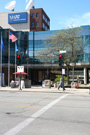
[55, 85]
[73, 84]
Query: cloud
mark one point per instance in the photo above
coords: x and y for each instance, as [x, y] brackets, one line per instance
[76, 20]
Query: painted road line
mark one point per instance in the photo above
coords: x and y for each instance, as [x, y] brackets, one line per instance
[26, 122]
[32, 107]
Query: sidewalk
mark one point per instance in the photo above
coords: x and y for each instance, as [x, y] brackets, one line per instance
[52, 89]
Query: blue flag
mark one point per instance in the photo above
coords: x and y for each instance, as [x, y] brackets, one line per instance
[16, 48]
[2, 45]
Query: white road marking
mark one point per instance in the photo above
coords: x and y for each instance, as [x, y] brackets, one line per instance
[26, 122]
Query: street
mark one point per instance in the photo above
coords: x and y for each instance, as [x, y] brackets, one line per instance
[44, 113]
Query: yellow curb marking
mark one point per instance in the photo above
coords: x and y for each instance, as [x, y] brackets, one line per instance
[1, 104]
[33, 107]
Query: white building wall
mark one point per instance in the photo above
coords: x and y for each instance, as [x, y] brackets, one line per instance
[15, 27]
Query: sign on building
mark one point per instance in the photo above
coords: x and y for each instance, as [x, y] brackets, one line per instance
[20, 68]
[17, 18]
[62, 51]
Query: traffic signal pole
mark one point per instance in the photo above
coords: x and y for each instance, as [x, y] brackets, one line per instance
[61, 64]
[20, 81]
[63, 79]
[18, 61]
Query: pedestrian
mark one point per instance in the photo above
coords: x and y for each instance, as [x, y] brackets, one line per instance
[61, 84]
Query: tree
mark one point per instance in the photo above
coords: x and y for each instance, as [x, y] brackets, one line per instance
[70, 40]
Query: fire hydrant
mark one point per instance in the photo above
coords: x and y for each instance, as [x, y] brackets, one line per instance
[77, 85]
[89, 89]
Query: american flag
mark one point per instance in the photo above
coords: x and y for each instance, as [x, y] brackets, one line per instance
[12, 37]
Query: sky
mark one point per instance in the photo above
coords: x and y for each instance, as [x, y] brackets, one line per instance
[62, 13]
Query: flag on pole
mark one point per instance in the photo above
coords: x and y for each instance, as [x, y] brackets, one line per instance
[2, 44]
[12, 37]
[16, 49]
[1, 49]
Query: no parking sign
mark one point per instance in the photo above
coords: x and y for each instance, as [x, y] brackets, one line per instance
[20, 68]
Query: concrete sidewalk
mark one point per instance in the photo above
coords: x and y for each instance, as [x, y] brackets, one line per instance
[52, 89]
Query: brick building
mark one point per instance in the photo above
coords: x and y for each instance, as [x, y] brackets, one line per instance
[39, 21]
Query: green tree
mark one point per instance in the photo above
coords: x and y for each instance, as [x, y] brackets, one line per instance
[70, 40]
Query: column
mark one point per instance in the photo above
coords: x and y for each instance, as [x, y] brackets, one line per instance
[85, 75]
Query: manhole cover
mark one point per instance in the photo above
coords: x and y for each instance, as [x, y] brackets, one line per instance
[8, 113]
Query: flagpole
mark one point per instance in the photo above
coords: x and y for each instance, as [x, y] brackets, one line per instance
[1, 62]
[9, 62]
[15, 59]
[13, 38]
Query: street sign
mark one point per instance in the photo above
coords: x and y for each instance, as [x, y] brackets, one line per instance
[20, 68]
[63, 71]
[62, 51]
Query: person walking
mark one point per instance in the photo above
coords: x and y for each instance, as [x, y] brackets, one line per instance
[61, 84]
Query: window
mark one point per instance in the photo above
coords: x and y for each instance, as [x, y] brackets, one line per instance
[37, 24]
[43, 17]
[32, 24]
[46, 20]
[37, 15]
[32, 15]
[48, 23]
[43, 25]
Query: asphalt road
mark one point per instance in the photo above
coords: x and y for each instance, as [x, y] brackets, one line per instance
[40, 113]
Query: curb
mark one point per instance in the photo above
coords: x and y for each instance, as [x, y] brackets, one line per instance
[49, 90]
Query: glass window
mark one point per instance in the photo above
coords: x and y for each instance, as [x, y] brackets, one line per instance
[37, 24]
[32, 15]
[32, 24]
[46, 20]
[48, 23]
[37, 15]
[43, 17]
[43, 25]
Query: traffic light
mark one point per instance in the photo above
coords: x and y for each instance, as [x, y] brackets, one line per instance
[18, 60]
[60, 59]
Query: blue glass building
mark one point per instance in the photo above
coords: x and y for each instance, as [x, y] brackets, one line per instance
[28, 45]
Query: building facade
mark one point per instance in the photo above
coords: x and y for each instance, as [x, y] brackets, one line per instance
[28, 20]
[39, 21]
[16, 21]
[28, 45]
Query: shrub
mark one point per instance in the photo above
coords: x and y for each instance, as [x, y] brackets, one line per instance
[58, 78]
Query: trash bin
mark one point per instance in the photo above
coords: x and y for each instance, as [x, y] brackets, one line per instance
[47, 83]
[27, 83]
[13, 85]
[73, 84]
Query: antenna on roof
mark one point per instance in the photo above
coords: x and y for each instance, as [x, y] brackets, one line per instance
[30, 5]
[26, 0]
[11, 5]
